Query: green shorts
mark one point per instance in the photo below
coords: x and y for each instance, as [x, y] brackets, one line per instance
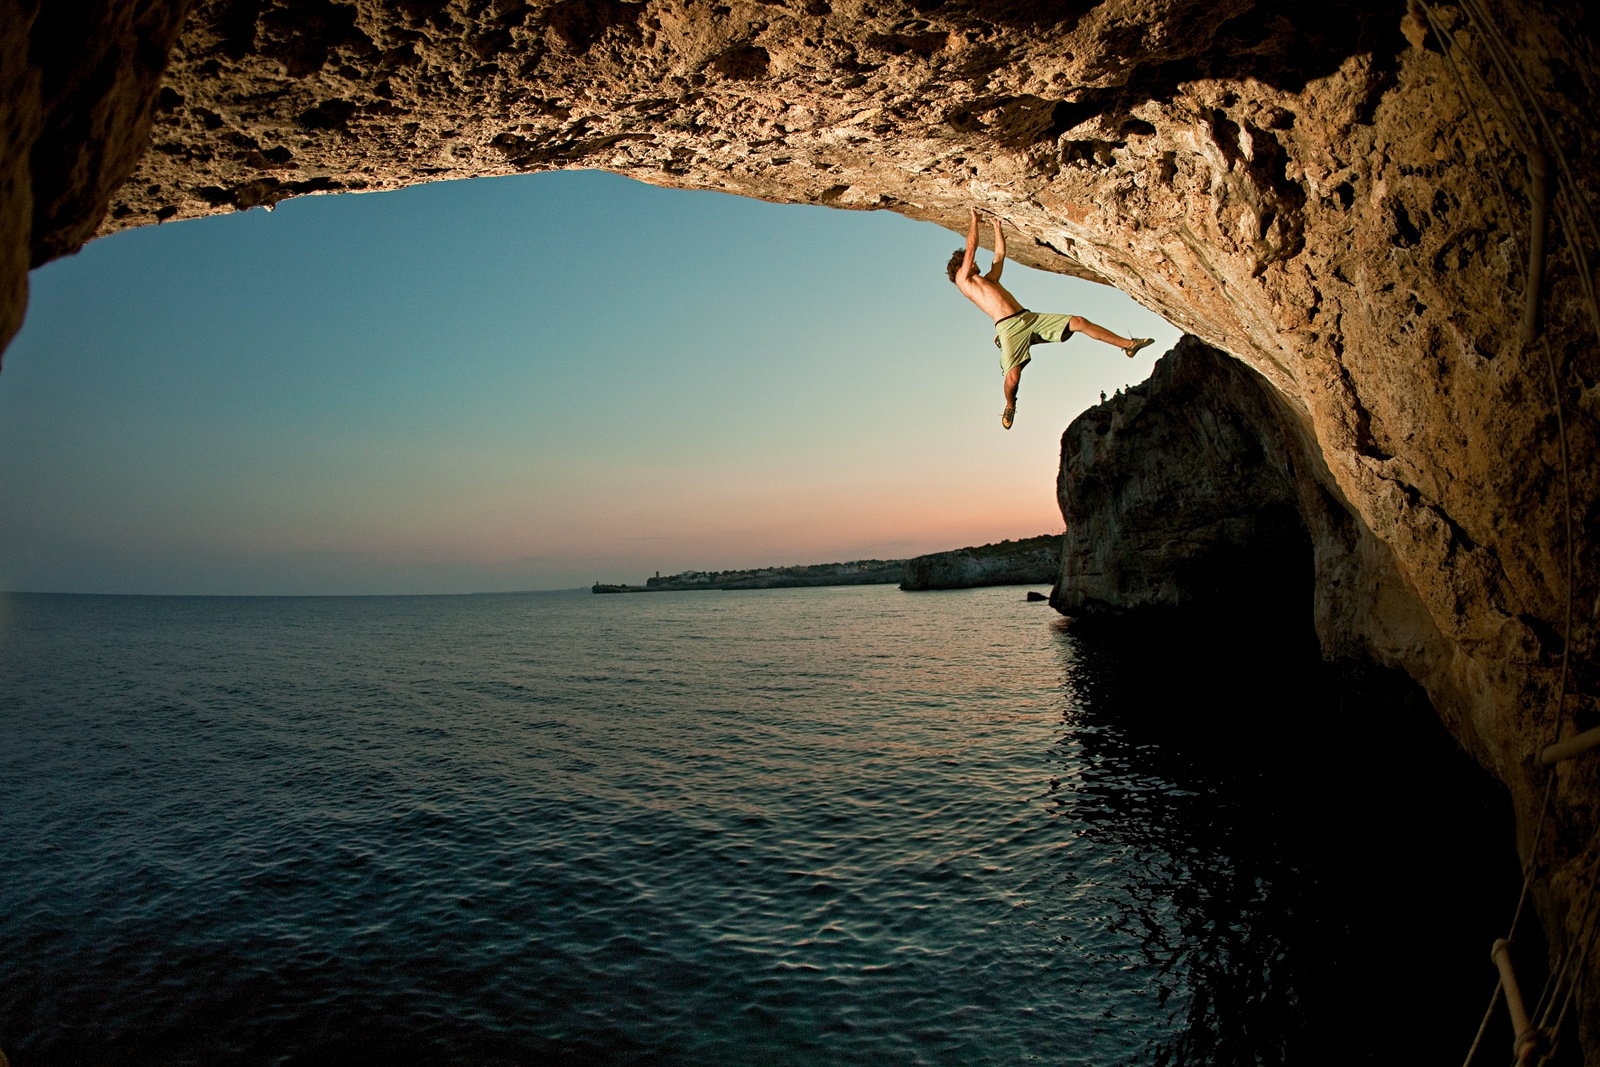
[1013, 336]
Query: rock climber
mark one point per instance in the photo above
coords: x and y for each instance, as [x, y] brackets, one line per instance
[1017, 329]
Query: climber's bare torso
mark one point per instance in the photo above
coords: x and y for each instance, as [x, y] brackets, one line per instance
[985, 290]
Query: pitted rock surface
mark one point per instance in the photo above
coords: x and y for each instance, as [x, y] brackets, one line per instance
[1307, 187]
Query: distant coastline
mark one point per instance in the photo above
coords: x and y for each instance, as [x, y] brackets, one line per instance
[856, 572]
[1032, 561]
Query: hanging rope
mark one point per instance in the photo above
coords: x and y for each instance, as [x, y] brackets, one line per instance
[1494, 998]
[1511, 70]
[1571, 961]
[1572, 211]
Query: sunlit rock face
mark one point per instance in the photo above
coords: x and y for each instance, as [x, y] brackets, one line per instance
[1301, 185]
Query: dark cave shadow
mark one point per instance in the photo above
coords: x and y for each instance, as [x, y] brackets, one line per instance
[1338, 867]
[1279, 42]
[1275, 42]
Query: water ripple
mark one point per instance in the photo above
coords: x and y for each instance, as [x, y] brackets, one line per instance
[806, 826]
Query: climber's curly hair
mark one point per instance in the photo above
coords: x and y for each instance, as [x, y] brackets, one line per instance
[956, 259]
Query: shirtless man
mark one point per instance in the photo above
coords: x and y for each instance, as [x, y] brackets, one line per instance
[1016, 329]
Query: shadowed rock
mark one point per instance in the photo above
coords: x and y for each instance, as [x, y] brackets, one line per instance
[1032, 561]
[1181, 493]
[1197, 493]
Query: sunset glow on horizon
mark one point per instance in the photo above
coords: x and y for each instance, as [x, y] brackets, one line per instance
[522, 383]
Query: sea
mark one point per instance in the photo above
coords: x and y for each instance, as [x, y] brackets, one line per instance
[810, 826]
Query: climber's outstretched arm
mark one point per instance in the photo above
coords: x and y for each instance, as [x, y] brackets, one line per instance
[968, 267]
[999, 251]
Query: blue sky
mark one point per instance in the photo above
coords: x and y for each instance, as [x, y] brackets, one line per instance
[521, 383]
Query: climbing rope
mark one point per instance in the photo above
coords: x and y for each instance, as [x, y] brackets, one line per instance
[1494, 998]
[1506, 62]
[1571, 209]
[1570, 963]
[1510, 70]
[1585, 278]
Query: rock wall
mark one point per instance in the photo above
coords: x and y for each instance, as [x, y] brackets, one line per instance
[1337, 194]
[1033, 561]
[1195, 500]
[1182, 493]
[1198, 491]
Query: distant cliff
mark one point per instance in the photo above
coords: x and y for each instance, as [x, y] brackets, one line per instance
[856, 572]
[1034, 561]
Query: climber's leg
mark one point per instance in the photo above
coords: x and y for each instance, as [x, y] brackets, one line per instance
[1130, 345]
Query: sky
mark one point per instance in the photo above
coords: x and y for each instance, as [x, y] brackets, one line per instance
[531, 382]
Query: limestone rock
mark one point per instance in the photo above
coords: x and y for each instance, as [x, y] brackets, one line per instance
[78, 82]
[1182, 493]
[1197, 491]
[1032, 561]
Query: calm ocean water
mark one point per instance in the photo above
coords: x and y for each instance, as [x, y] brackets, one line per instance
[781, 827]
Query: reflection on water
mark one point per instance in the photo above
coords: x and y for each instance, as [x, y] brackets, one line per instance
[808, 826]
[1325, 867]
